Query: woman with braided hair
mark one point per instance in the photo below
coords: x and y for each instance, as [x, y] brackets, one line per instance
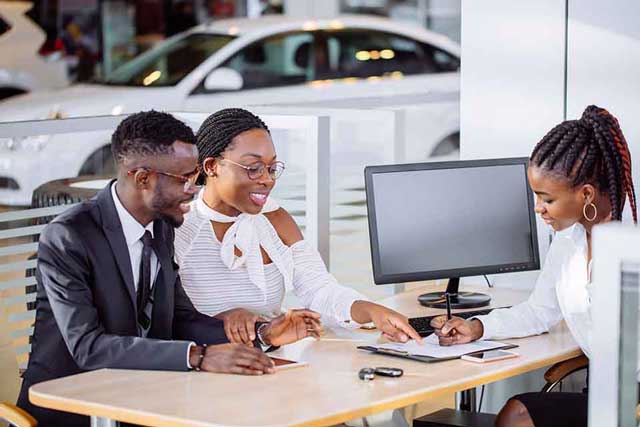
[238, 250]
[581, 175]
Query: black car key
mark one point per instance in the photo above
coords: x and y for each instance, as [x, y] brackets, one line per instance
[389, 372]
[366, 374]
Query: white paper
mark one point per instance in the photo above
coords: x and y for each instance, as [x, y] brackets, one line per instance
[431, 348]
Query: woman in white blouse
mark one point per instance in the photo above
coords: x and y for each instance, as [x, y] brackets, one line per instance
[581, 175]
[238, 251]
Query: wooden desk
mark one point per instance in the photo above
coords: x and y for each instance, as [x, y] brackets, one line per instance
[326, 392]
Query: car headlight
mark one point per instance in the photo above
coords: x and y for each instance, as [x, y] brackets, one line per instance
[27, 143]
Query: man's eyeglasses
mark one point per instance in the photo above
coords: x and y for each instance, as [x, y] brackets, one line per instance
[189, 179]
[256, 170]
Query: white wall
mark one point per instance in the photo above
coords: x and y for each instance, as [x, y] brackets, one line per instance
[603, 66]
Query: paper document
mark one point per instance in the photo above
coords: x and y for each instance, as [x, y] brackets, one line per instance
[431, 348]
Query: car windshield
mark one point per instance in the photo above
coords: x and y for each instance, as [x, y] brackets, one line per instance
[169, 62]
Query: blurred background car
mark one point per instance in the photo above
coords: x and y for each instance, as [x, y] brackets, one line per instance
[272, 60]
[23, 68]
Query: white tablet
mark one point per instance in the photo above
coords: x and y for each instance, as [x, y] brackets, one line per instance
[282, 364]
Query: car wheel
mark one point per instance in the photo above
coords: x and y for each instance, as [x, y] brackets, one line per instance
[100, 162]
[7, 92]
[449, 145]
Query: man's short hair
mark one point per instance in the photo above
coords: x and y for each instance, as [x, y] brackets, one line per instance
[148, 133]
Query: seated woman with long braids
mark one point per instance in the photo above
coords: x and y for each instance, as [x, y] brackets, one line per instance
[581, 175]
[238, 250]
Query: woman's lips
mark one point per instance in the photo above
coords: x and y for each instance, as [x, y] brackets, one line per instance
[258, 198]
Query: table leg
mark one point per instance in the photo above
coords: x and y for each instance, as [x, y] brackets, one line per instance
[468, 400]
[103, 422]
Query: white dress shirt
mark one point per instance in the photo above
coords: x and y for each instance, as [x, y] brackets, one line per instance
[133, 232]
[563, 291]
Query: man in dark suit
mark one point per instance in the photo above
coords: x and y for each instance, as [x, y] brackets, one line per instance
[109, 294]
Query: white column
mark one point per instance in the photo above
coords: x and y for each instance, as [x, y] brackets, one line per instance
[318, 200]
[512, 93]
[512, 82]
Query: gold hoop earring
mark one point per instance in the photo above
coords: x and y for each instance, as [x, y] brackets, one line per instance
[595, 212]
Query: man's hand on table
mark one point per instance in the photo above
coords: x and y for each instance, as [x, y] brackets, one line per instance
[232, 359]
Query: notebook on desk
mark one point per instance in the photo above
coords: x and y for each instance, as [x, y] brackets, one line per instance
[430, 351]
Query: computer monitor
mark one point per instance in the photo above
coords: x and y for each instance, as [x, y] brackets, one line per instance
[450, 220]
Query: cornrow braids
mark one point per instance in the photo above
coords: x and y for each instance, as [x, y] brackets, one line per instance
[591, 150]
[219, 129]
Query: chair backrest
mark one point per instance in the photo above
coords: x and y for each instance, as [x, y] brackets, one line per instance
[19, 231]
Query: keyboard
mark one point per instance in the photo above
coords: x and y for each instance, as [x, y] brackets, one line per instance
[423, 327]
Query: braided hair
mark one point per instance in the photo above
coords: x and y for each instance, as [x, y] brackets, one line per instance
[591, 150]
[219, 129]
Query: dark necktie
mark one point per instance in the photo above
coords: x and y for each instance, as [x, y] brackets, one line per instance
[144, 281]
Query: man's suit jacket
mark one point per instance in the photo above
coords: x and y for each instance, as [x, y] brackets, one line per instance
[86, 300]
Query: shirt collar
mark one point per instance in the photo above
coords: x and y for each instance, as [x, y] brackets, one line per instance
[131, 228]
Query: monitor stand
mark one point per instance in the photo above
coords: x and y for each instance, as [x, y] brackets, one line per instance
[458, 299]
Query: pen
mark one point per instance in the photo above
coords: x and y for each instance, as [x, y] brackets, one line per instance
[448, 300]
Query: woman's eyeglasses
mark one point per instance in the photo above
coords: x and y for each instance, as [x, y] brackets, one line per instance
[189, 179]
[256, 170]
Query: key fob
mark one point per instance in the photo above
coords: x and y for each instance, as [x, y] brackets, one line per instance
[367, 374]
[389, 372]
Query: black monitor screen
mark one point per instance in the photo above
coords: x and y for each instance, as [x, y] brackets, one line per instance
[438, 220]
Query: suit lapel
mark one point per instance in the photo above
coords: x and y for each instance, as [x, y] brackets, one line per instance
[115, 236]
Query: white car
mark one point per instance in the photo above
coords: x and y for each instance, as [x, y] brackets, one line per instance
[22, 69]
[241, 62]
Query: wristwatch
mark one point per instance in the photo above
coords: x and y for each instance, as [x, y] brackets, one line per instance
[259, 329]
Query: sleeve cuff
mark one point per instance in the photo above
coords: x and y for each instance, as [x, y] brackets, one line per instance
[487, 327]
[346, 321]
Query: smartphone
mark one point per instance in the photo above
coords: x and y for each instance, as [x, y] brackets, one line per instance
[489, 356]
[282, 364]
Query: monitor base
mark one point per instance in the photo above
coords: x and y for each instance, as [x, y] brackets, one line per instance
[458, 300]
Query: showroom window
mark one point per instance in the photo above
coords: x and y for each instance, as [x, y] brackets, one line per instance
[282, 60]
[366, 53]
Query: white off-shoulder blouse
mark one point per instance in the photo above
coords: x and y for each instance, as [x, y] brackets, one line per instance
[217, 280]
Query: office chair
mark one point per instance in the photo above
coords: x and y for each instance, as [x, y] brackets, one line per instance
[454, 418]
[16, 416]
[18, 296]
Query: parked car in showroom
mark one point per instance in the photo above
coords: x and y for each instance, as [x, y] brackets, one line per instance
[22, 68]
[240, 62]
